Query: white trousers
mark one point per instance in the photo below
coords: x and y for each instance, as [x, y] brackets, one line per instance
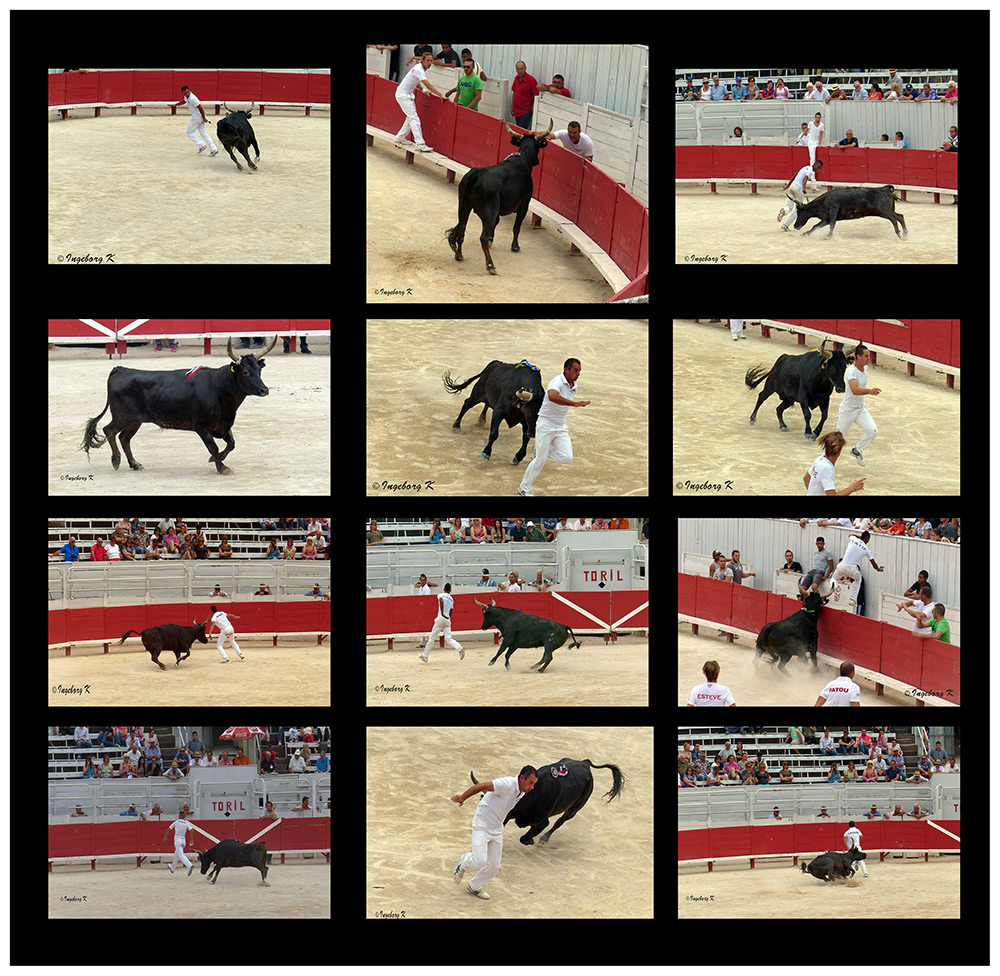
[197, 127]
[848, 416]
[412, 121]
[550, 442]
[485, 855]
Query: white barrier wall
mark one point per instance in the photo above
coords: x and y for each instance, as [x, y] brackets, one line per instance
[762, 542]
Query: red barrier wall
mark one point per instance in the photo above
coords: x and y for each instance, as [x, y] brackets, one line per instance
[771, 838]
[105, 623]
[912, 167]
[939, 340]
[415, 614]
[133, 836]
[562, 180]
[900, 654]
[125, 87]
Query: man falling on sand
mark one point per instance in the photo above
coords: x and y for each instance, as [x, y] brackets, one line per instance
[487, 825]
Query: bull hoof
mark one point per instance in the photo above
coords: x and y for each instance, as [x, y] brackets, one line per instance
[225, 470]
[116, 459]
[514, 247]
[264, 884]
[491, 269]
[492, 663]
[810, 436]
[527, 841]
[485, 457]
[458, 254]
[753, 423]
[135, 466]
[783, 429]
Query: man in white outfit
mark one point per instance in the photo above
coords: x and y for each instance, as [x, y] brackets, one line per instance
[487, 825]
[853, 409]
[226, 632]
[852, 836]
[415, 78]
[442, 625]
[199, 123]
[180, 827]
[551, 432]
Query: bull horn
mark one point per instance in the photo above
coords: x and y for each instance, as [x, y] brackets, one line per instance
[261, 355]
[548, 130]
[227, 108]
[823, 352]
[233, 357]
[516, 135]
[478, 604]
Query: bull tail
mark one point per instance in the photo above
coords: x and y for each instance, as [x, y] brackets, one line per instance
[574, 642]
[805, 865]
[127, 633]
[90, 437]
[617, 775]
[755, 376]
[453, 387]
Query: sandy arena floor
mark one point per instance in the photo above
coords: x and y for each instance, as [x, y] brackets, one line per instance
[717, 452]
[297, 890]
[290, 674]
[735, 226]
[282, 442]
[594, 674]
[407, 450]
[597, 865]
[778, 889]
[765, 685]
[410, 210]
[135, 188]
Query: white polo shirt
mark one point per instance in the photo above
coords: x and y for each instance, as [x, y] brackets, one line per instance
[554, 414]
[496, 804]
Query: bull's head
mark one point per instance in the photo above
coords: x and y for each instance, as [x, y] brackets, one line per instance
[247, 113]
[541, 141]
[487, 618]
[247, 372]
[834, 365]
[201, 637]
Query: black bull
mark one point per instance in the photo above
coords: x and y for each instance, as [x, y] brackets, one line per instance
[236, 132]
[563, 787]
[494, 191]
[851, 203]
[202, 400]
[512, 391]
[808, 380]
[525, 630]
[796, 634]
[230, 853]
[169, 637]
[834, 864]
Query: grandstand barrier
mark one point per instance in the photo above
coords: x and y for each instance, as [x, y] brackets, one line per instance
[141, 839]
[131, 87]
[605, 613]
[913, 169]
[105, 624]
[928, 668]
[116, 333]
[935, 343]
[604, 221]
[795, 840]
